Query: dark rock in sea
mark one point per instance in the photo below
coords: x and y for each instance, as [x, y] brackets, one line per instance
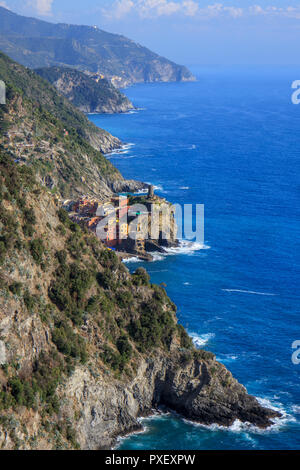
[192, 384]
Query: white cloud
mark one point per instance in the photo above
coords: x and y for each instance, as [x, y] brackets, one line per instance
[154, 8]
[293, 12]
[234, 12]
[190, 8]
[218, 9]
[212, 10]
[42, 7]
[256, 10]
[121, 8]
[167, 8]
[150, 8]
[3, 4]
[288, 12]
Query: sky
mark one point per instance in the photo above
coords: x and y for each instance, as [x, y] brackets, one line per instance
[190, 32]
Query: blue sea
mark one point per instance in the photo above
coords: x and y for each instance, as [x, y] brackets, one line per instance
[230, 141]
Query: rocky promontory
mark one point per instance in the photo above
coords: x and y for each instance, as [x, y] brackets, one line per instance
[90, 94]
[193, 384]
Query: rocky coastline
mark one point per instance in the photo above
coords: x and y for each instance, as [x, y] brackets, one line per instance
[86, 347]
[194, 385]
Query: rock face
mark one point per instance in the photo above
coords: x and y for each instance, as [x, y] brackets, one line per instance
[36, 43]
[201, 390]
[87, 94]
[89, 347]
[2, 353]
[103, 141]
[85, 346]
[45, 103]
[46, 131]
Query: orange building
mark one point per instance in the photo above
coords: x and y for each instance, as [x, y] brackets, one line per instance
[93, 222]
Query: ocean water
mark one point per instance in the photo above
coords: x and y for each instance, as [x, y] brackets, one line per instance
[230, 141]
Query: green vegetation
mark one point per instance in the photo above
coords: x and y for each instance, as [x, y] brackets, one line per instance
[13, 182]
[80, 290]
[154, 327]
[69, 343]
[86, 307]
[16, 288]
[185, 340]
[64, 217]
[124, 347]
[141, 277]
[29, 216]
[41, 385]
[37, 250]
[29, 300]
[68, 290]
[50, 105]
[69, 133]
[84, 92]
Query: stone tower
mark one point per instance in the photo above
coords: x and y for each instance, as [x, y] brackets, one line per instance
[151, 192]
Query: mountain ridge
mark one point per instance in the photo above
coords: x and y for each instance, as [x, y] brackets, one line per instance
[35, 44]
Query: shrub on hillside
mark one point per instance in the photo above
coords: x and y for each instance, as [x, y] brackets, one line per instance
[141, 277]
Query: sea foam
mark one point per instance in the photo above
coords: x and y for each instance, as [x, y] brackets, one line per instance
[201, 340]
[248, 292]
[227, 358]
[246, 427]
[185, 248]
[134, 259]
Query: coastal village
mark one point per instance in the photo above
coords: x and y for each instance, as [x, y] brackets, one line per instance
[126, 231]
[123, 223]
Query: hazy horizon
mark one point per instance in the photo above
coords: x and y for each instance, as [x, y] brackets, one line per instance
[189, 32]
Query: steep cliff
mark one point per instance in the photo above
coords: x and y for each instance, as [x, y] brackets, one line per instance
[191, 383]
[43, 129]
[86, 347]
[35, 43]
[87, 94]
[40, 95]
